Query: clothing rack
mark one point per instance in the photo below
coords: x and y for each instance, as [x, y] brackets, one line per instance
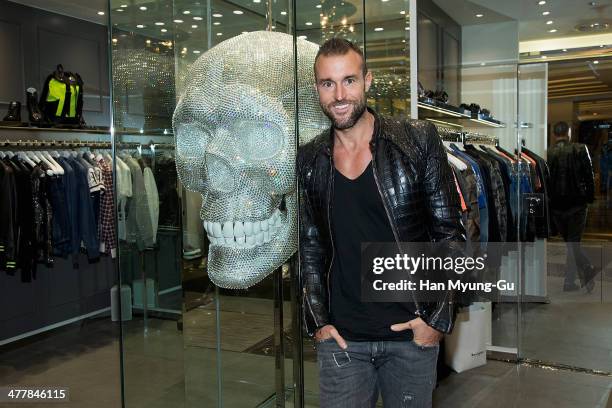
[450, 135]
[65, 144]
[480, 139]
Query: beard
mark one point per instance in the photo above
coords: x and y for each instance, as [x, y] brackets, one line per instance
[358, 108]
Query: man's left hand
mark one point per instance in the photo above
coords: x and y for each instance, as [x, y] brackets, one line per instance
[423, 334]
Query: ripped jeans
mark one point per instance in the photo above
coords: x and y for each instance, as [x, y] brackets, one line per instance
[403, 372]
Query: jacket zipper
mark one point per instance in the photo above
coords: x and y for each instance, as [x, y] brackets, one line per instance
[395, 234]
[331, 235]
[314, 318]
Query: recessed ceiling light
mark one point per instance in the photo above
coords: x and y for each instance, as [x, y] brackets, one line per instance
[187, 12]
[542, 2]
[256, 1]
[216, 15]
[407, 28]
[384, 1]
[565, 50]
[245, 32]
[219, 34]
[545, 13]
[302, 37]
[483, 64]
[595, 62]
[217, 23]
[159, 23]
[274, 27]
[196, 51]
[283, 13]
[544, 57]
[114, 40]
[554, 30]
[378, 29]
[140, 26]
[148, 41]
[318, 6]
[549, 22]
[197, 18]
[595, 113]
[479, 15]
[403, 12]
[308, 23]
[163, 30]
[143, 8]
[194, 26]
[123, 6]
[120, 10]
[100, 13]
[238, 12]
[178, 21]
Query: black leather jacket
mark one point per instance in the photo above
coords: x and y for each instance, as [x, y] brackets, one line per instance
[571, 175]
[419, 194]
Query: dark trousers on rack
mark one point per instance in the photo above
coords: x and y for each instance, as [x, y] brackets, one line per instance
[571, 223]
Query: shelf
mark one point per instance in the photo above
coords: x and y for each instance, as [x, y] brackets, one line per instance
[450, 115]
[26, 133]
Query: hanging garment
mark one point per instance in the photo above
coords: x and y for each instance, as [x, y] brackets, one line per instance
[467, 184]
[8, 218]
[107, 211]
[167, 181]
[124, 192]
[542, 227]
[152, 199]
[139, 228]
[87, 227]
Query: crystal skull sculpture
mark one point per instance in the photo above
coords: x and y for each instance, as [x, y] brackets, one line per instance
[235, 126]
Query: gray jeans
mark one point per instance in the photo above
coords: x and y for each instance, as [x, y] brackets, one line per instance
[402, 371]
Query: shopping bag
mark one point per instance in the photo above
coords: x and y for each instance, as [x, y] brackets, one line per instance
[466, 347]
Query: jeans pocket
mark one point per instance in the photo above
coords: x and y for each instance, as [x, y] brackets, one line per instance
[425, 347]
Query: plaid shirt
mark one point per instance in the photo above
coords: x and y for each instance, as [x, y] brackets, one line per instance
[106, 227]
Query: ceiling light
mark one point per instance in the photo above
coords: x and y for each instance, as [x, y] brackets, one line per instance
[378, 29]
[140, 26]
[479, 15]
[544, 57]
[197, 18]
[549, 22]
[318, 6]
[545, 13]
[186, 12]
[483, 64]
[554, 30]
[163, 30]
[601, 46]
[384, 1]
[114, 40]
[273, 27]
[148, 41]
[217, 23]
[219, 34]
[245, 32]
[178, 21]
[302, 37]
[216, 15]
[283, 13]
[565, 50]
[100, 13]
[117, 10]
[143, 8]
[308, 23]
[407, 28]
[256, 1]
[595, 113]
[194, 26]
[542, 2]
[123, 5]
[238, 12]
[196, 51]
[596, 62]
[403, 12]
[159, 23]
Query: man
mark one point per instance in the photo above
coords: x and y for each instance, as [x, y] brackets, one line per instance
[370, 179]
[572, 188]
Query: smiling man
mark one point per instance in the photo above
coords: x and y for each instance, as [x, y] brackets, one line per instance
[370, 179]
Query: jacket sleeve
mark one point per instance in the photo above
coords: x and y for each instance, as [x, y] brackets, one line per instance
[588, 178]
[312, 260]
[446, 224]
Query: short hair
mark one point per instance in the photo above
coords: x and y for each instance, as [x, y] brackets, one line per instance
[340, 46]
[561, 128]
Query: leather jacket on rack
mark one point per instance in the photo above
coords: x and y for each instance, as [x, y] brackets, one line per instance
[419, 194]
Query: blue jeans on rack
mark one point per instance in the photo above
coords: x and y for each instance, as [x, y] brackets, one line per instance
[403, 372]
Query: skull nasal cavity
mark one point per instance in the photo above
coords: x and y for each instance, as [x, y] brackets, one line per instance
[220, 173]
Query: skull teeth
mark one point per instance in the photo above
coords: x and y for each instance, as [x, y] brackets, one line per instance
[243, 234]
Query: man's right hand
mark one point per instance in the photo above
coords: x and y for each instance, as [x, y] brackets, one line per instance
[329, 331]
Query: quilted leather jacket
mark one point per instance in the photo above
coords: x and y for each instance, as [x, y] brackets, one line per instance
[419, 194]
[571, 174]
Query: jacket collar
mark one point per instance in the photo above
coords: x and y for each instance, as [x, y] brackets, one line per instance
[328, 147]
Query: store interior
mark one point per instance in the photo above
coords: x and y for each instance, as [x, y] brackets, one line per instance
[488, 73]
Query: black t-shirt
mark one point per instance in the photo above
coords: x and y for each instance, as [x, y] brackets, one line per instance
[358, 216]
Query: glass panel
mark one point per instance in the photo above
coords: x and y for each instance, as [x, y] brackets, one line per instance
[148, 203]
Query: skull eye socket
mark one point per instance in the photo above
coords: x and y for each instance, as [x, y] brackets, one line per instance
[262, 140]
[191, 140]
